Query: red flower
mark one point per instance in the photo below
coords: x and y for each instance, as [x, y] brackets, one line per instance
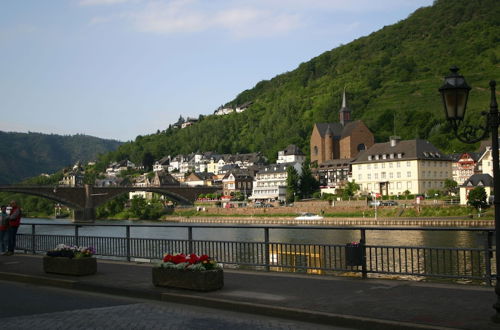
[193, 258]
[168, 258]
[179, 258]
[203, 258]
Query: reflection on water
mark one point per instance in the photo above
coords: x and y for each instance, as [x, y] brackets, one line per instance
[462, 239]
[403, 252]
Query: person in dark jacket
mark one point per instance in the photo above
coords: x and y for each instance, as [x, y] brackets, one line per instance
[4, 225]
[14, 222]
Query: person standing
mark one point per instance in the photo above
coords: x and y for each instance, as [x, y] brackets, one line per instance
[14, 222]
[4, 224]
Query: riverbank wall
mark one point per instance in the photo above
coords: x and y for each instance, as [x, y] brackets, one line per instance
[362, 222]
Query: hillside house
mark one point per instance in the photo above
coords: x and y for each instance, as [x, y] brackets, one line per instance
[237, 182]
[199, 179]
[476, 180]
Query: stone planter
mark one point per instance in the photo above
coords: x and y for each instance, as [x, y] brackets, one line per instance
[208, 280]
[69, 266]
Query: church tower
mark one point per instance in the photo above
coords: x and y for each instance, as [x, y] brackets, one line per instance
[345, 112]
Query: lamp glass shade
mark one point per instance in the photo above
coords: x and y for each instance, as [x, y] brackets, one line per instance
[455, 93]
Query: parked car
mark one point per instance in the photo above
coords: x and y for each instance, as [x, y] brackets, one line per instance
[389, 203]
[374, 203]
[308, 216]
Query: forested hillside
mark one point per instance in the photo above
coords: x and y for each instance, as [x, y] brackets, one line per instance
[391, 78]
[25, 155]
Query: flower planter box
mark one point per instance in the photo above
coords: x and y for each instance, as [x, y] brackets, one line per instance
[208, 280]
[69, 266]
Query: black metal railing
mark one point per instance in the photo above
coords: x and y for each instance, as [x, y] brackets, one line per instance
[468, 263]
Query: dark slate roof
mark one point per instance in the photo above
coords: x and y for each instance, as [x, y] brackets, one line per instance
[474, 155]
[350, 127]
[335, 128]
[205, 175]
[475, 180]
[292, 149]
[275, 168]
[166, 178]
[164, 161]
[336, 162]
[410, 149]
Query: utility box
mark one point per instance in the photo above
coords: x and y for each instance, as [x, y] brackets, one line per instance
[354, 254]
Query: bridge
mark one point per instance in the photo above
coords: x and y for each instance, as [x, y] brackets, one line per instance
[84, 200]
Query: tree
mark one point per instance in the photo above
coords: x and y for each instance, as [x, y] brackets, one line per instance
[148, 161]
[308, 184]
[292, 184]
[350, 189]
[477, 198]
[450, 186]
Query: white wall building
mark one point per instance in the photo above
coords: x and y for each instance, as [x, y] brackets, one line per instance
[392, 168]
[270, 182]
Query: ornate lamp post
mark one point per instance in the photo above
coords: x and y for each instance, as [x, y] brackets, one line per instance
[455, 92]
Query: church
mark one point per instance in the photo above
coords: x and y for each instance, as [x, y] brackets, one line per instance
[334, 146]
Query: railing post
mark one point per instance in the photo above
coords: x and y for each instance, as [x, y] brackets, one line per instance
[33, 247]
[487, 256]
[77, 238]
[127, 233]
[190, 239]
[362, 242]
[266, 245]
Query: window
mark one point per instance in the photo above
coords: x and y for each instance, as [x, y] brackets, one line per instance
[398, 164]
[408, 185]
[384, 156]
[382, 175]
[400, 155]
[376, 157]
[375, 175]
[369, 176]
[390, 165]
[391, 175]
[398, 185]
[398, 175]
[408, 164]
[369, 157]
[375, 165]
[382, 165]
[315, 150]
[408, 174]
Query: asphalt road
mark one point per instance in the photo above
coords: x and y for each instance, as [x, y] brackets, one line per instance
[26, 306]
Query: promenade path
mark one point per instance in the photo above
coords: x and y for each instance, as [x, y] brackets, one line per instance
[336, 301]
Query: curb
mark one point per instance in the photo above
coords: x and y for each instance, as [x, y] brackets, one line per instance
[357, 322]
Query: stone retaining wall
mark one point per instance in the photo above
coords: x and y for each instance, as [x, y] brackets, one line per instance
[411, 222]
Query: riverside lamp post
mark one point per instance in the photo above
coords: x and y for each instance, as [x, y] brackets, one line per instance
[455, 92]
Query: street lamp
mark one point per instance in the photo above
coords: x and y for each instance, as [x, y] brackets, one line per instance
[455, 92]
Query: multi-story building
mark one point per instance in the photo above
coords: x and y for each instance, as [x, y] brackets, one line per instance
[237, 182]
[333, 173]
[394, 167]
[464, 166]
[270, 182]
[292, 154]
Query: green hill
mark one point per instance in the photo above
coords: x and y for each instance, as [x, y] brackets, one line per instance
[26, 155]
[391, 77]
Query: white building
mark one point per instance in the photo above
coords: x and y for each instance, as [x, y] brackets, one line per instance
[394, 167]
[270, 182]
[292, 154]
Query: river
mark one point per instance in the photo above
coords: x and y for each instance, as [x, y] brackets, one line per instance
[459, 238]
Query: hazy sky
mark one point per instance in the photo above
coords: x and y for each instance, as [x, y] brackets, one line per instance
[120, 68]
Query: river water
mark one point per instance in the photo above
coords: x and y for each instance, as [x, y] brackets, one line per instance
[458, 238]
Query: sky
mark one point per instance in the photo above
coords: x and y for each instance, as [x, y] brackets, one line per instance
[116, 69]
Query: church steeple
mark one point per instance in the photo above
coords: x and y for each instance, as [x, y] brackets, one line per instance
[345, 112]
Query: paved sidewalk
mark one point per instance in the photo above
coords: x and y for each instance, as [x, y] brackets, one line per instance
[352, 302]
